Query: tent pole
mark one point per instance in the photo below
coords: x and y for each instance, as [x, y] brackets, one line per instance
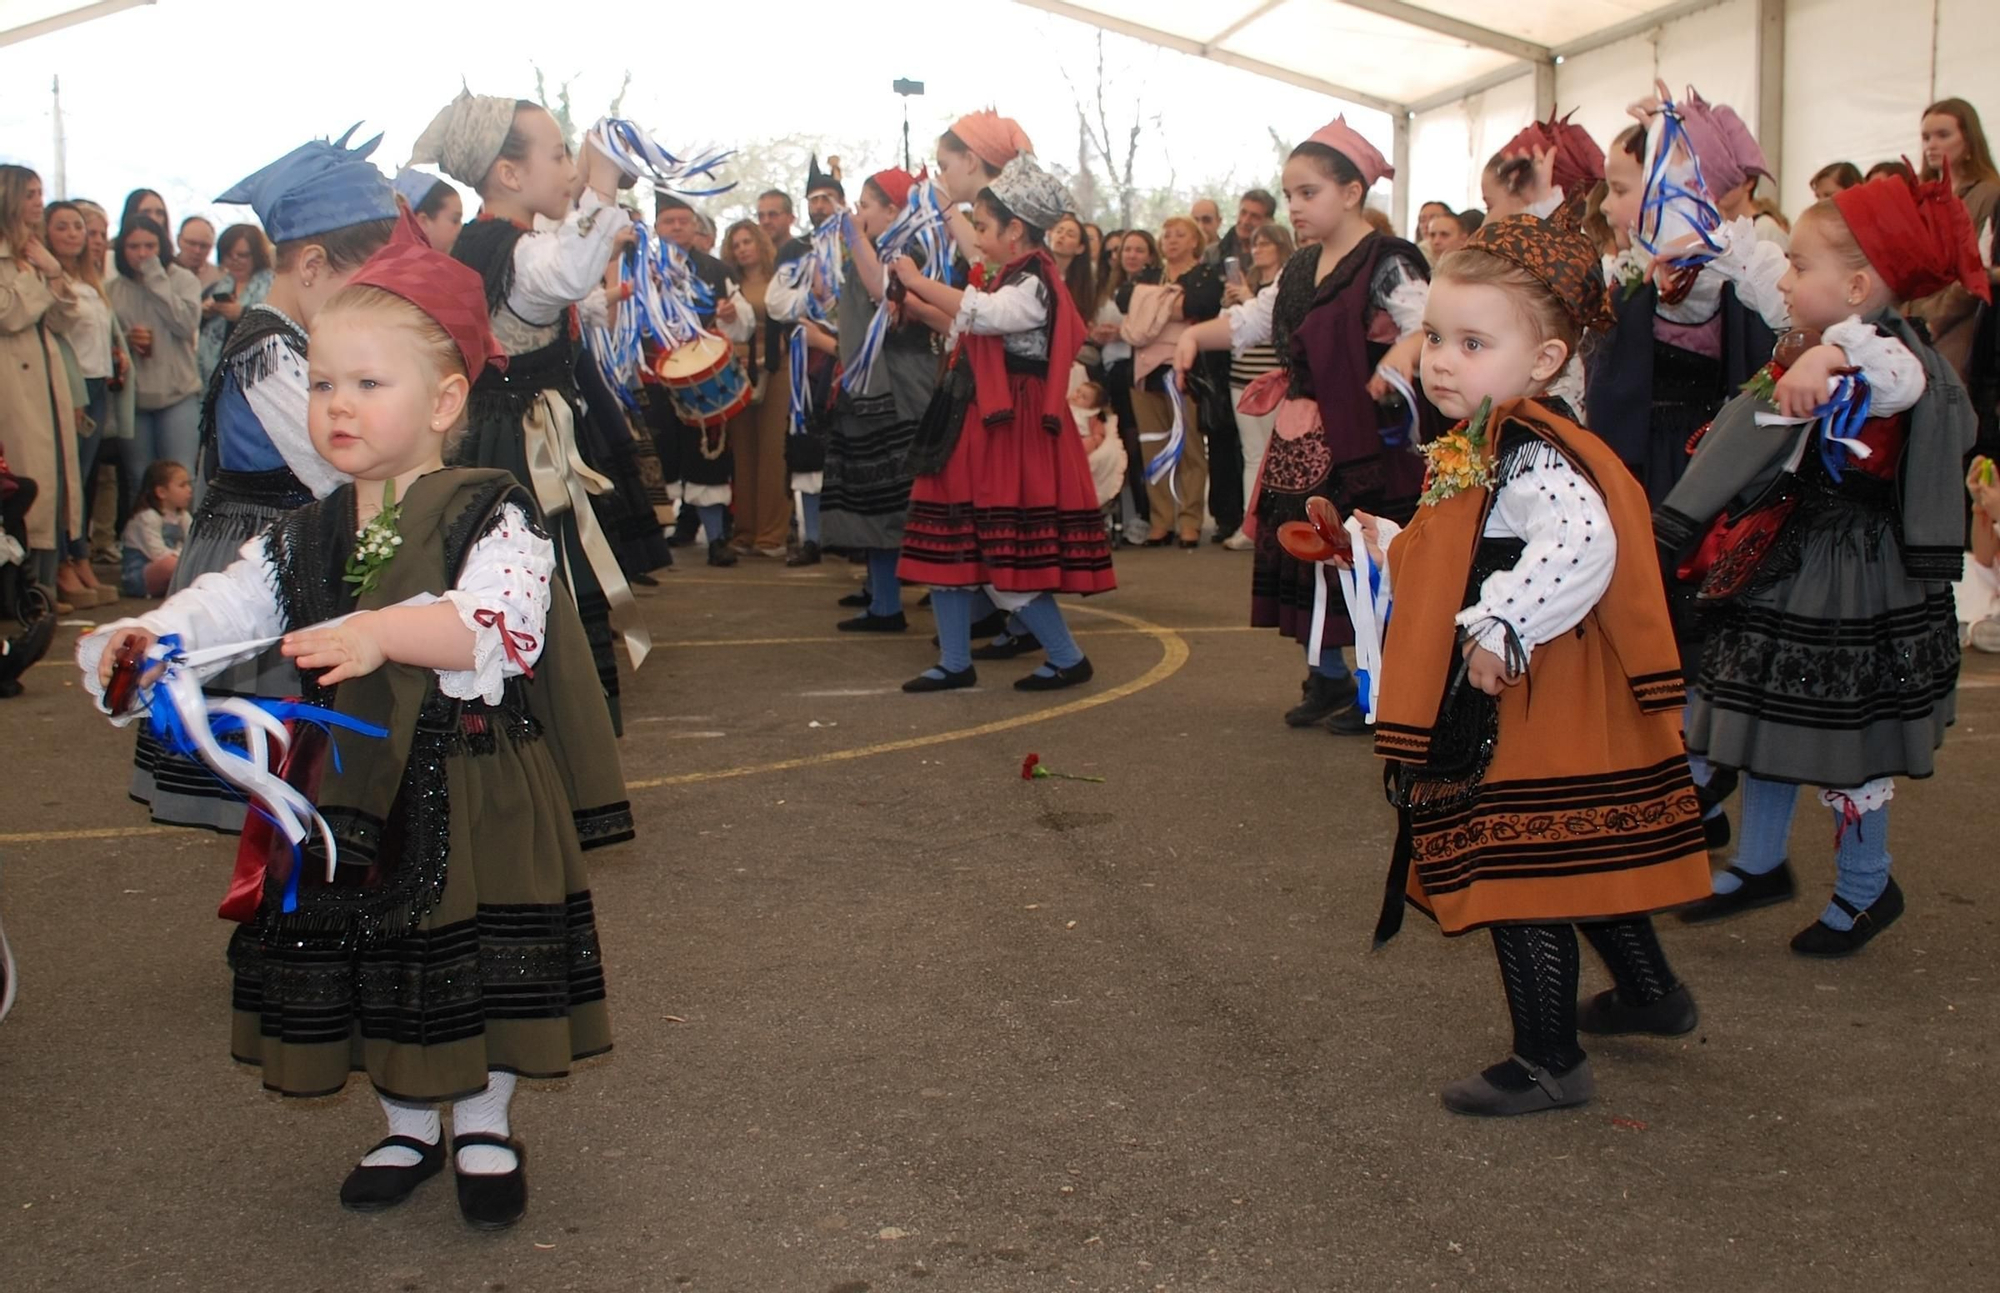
[1545, 90]
[1771, 85]
[1399, 196]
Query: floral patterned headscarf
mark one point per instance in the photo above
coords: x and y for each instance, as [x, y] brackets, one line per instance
[1558, 253]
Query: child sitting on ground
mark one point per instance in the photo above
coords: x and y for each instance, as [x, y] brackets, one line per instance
[153, 537]
[1098, 426]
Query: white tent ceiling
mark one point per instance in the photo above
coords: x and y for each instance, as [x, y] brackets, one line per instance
[1392, 55]
[25, 19]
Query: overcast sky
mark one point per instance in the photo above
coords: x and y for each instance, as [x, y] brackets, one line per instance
[187, 96]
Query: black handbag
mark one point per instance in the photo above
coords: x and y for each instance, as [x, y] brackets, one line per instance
[943, 421]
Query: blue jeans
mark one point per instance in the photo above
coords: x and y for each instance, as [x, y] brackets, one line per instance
[172, 433]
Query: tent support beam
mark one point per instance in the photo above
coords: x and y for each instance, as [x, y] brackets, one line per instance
[1545, 90]
[1471, 33]
[1771, 84]
[1452, 94]
[1399, 157]
[1639, 26]
[56, 22]
[1154, 36]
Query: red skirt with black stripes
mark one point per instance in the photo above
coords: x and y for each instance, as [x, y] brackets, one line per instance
[1014, 507]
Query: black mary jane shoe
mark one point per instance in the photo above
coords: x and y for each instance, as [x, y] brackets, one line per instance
[375, 1189]
[1075, 675]
[1514, 1087]
[1607, 1015]
[1823, 940]
[1007, 646]
[1752, 891]
[923, 682]
[870, 622]
[487, 1200]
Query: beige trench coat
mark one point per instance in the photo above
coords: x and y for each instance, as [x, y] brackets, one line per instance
[37, 416]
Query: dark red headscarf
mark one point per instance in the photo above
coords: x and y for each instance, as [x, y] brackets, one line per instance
[1916, 233]
[448, 290]
[1579, 161]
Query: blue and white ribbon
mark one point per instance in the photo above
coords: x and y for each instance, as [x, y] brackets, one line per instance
[670, 297]
[1366, 592]
[1840, 422]
[1162, 466]
[1668, 212]
[1399, 437]
[638, 155]
[818, 277]
[188, 723]
[922, 229]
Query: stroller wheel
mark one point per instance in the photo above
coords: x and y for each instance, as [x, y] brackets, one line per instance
[33, 603]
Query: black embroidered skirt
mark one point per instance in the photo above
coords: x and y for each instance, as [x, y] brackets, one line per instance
[1839, 670]
[866, 492]
[503, 972]
[238, 506]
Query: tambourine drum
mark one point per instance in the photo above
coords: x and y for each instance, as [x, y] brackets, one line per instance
[704, 381]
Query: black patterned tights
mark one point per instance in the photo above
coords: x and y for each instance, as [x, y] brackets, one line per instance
[1539, 970]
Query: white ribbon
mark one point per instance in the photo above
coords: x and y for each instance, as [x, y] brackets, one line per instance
[1365, 588]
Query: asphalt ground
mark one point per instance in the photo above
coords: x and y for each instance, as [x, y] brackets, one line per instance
[889, 1017]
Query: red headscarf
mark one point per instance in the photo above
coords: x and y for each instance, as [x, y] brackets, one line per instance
[448, 290]
[1579, 161]
[895, 184]
[1916, 233]
[993, 139]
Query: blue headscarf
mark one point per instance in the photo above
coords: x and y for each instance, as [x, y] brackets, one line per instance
[316, 188]
[413, 185]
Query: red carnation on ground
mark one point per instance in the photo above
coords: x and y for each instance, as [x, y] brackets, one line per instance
[1033, 769]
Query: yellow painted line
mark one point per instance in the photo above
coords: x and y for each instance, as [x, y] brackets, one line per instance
[94, 833]
[1173, 654]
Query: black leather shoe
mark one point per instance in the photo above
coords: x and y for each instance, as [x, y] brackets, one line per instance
[1823, 940]
[1774, 886]
[1607, 1016]
[1075, 675]
[1515, 1087]
[858, 601]
[492, 1201]
[869, 622]
[1007, 646]
[720, 555]
[1348, 722]
[807, 555]
[373, 1189]
[1319, 697]
[923, 682]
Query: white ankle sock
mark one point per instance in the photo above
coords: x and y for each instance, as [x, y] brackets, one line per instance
[485, 1112]
[419, 1121]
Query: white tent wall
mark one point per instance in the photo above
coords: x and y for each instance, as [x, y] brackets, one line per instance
[1857, 79]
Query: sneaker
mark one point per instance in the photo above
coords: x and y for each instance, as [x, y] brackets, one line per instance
[1985, 635]
[1239, 542]
[22, 650]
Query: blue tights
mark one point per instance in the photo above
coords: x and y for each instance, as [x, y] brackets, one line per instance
[1043, 618]
[885, 593]
[1861, 862]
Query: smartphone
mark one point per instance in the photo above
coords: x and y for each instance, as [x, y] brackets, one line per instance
[1232, 271]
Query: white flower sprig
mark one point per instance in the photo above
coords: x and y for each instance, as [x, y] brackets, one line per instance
[375, 544]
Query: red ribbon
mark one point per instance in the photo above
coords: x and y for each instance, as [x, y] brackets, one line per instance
[513, 641]
[1847, 814]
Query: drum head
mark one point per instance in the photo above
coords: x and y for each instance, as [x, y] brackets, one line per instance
[695, 360]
